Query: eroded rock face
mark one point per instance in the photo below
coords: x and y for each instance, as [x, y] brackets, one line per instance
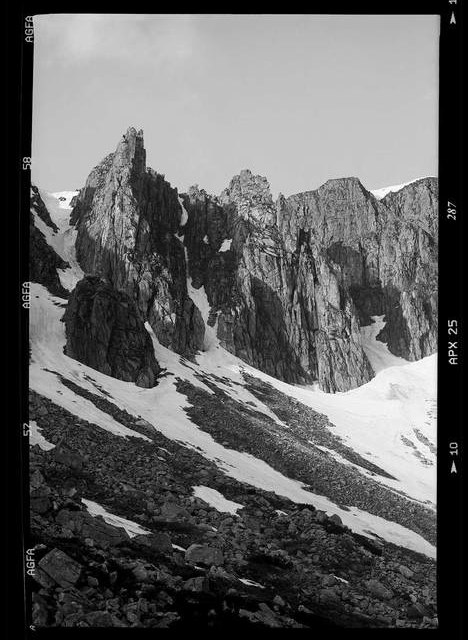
[302, 275]
[43, 260]
[39, 207]
[105, 332]
[278, 303]
[384, 252]
[127, 218]
[289, 283]
[252, 197]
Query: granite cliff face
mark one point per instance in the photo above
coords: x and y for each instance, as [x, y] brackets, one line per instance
[289, 283]
[43, 260]
[279, 306]
[105, 332]
[127, 217]
[385, 253]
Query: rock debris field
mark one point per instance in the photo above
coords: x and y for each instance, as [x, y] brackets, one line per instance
[272, 564]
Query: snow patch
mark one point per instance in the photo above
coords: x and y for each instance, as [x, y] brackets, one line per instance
[377, 352]
[184, 216]
[216, 499]
[200, 300]
[383, 191]
[225, 246]
[340, 579]
[132, 528]
[36, 437]
[251, 583]
[63, 198]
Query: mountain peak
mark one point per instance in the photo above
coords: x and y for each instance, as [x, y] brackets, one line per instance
[196, 193]
[131, 151]
[133, 133]
[252, 196]
[348, 183]
[246, 186]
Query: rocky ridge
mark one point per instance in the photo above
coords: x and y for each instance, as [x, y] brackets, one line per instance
[289, 284]
[385, 253]
[127, 217]
[284, 312]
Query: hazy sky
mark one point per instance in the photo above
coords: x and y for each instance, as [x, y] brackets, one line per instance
[298, 99]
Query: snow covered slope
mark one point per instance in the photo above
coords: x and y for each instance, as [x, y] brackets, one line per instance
[62, 241]
[389, 421]
[377, 352]
[383, 191]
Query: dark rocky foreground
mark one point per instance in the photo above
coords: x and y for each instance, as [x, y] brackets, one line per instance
[315, 572]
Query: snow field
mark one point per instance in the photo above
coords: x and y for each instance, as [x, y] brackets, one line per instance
[36, 437]
[216, 499]
[371, 419]
[383, 191]
[132, 528]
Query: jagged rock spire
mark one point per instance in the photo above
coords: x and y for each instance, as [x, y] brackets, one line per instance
[128, 218]
[131, 151]
[251, 196]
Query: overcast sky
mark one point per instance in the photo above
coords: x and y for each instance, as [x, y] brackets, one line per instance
[298, 99]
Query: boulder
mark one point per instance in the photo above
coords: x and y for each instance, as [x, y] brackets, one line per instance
[99, 619]
[68, 457]
[328, 596]
[204, 554]
[172, 511]
[198, 585]
[83, 524]
[417, 610]
[407, 573]
[378, 590]
[159, 542]
[61, 568]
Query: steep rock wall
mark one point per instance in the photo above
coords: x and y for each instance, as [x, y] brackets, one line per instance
[127, 218]
[279, 305]
[104, 331]
[290, 283]
[387, 252]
